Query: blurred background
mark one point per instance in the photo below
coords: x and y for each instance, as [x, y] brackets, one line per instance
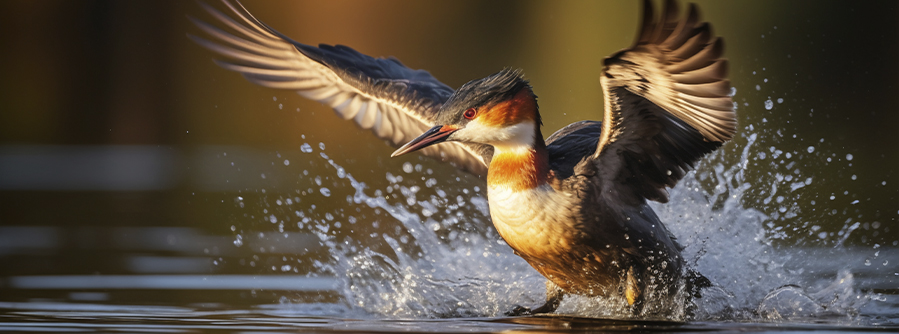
[124, 151]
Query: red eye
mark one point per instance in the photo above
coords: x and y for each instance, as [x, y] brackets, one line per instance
[469, 114]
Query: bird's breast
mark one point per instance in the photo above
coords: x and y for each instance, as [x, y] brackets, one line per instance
[538, 223]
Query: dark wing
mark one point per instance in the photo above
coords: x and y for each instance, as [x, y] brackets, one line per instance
[568, 146]
[667, 103]
[394, 101]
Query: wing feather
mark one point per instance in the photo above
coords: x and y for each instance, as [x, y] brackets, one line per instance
[382, 95]
[701, 59]
[712, 73]
[711, 89]
[366, 117]
[667, 103]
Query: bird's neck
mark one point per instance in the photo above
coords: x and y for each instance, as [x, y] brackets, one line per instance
[519, 166]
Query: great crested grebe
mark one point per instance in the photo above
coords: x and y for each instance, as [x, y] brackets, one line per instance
[574, 206]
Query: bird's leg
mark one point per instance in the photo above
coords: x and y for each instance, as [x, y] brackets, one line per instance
[633, 292]
[554, 295]
[632, 289]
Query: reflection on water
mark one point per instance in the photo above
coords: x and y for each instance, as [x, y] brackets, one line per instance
[170, 282]
[58, 317]
[67, 317]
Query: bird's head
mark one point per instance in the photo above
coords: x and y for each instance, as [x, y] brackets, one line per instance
[499, 110]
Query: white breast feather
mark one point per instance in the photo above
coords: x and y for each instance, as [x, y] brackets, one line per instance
[533, 221]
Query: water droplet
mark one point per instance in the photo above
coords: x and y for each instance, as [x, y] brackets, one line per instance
[286, 162]
[306, 148]
[321, 146]
[325, 191]
[811, 149]
[769, 105]
[780, 100]
[280, 106]
[407, 167]
[853, 177]
[757, 87]
[849, 157]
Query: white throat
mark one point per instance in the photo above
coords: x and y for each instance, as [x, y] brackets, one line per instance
[518, 138]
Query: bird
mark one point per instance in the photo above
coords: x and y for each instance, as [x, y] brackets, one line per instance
[575, 205]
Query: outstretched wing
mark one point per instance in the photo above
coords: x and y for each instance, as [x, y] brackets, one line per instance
[394, 101]
[667, 103]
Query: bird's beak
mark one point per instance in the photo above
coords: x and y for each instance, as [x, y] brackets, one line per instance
[435, 135]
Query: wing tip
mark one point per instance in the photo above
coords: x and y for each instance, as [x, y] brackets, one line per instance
[647, 25]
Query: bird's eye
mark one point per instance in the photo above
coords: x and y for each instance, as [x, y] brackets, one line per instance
[469, 114]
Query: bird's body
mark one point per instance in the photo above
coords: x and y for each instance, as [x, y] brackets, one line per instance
[574, 206]
[552, 204]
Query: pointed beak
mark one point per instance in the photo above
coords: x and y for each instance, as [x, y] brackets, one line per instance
[435, 135]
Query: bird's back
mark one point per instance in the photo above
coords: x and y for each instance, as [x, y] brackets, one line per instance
[570, 145]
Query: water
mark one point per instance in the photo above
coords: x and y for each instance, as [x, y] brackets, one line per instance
[280, 319]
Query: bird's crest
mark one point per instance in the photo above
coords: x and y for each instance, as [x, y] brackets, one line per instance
[485, 92]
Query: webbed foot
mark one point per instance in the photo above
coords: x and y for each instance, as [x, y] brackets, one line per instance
[519, 310]
[554, 297]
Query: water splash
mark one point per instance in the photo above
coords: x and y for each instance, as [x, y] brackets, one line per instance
[421, 247]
